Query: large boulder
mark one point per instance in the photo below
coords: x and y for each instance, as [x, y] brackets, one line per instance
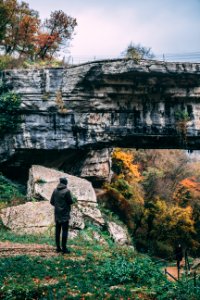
[119, 234]
[96, 167]
[42, 181]
[37, 216]
[30, 218]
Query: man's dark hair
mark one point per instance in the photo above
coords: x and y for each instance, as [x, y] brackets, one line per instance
[63, 180]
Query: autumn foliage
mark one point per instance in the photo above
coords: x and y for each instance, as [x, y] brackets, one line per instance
[123, 164]
[22, 33]
[154, 193]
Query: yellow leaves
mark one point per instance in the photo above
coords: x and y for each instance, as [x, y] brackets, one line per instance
[126, 158]
[181, 217]
[170, 220]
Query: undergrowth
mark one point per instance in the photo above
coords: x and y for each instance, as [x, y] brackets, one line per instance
[10, 193]
[9, 117]
[91, 271]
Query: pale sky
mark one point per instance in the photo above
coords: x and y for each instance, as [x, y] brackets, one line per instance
[106, 27]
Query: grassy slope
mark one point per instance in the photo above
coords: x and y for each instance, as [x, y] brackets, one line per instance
[91, 271]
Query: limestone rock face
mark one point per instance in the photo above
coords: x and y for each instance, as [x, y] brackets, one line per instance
[100, 105]
[42, 182]
[38, 217]
[97, 166]
[118, 233]
[29, 218]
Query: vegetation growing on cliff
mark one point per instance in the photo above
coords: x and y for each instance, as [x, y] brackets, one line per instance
[138, 52]
[9, 105]
[10, 193]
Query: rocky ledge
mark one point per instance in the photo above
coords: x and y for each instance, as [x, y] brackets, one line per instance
[65, 113]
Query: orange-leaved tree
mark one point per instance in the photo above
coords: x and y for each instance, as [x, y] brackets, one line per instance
[125, 194]
[22, 32]
[54, 33]
[188, 193]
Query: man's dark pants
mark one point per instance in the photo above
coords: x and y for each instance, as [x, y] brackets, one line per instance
[65, 229]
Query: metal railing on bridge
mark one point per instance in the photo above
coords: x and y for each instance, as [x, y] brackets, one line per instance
[168, 57]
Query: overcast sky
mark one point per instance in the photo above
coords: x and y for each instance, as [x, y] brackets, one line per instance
[106, 27]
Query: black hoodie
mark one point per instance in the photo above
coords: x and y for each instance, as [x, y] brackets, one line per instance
[61, 199]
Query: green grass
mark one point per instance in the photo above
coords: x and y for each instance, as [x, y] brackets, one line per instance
[10, 193]
[91, 271]
[7, 235]
[70, 279]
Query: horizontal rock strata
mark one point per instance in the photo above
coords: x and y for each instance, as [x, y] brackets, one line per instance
[105, 104]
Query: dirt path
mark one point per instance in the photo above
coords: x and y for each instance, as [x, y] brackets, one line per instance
[174, 271]
[8, 249]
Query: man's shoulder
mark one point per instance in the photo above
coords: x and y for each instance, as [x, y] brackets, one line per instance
[68, 191]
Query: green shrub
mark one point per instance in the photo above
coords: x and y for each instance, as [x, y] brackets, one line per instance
[8, 62]
[116, 271]
[9, 117]
[5, 61]
[141, 270]
[9, 190]
[163, 249]
[181, 115]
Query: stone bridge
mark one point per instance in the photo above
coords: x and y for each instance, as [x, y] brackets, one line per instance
[98, 105]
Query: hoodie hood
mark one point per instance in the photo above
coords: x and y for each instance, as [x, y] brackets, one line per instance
[61, 186]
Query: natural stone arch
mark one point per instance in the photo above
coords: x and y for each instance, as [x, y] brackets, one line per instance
[102, 105]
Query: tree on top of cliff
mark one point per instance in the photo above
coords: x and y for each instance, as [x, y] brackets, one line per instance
[54, 33]
[138, 52]
[23, 34]
[20, 26]
[7, 10]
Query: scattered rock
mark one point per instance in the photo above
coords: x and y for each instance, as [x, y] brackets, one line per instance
[97, 166]
[118, 233]
[76, 220]
[73, 233]
[196, 263]
[97, 236]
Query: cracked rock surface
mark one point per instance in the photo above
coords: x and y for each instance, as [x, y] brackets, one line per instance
[103, 104]
[38, 217]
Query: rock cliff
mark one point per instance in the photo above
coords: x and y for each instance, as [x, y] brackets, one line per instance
[66, 113]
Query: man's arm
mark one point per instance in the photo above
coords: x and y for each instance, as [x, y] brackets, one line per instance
[69, 198]
[52, 201]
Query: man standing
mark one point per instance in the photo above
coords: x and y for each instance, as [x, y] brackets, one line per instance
[61, 199]
[179, 257]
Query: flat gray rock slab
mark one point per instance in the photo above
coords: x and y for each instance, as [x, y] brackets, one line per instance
[42, 182]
